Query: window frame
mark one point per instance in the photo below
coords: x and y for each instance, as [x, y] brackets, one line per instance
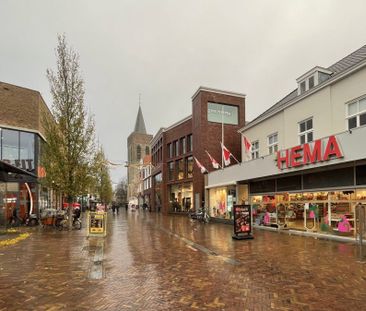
[272, 147]
[255, 150]
[356, 115]
[307, 131]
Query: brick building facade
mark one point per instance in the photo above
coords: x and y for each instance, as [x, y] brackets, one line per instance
[22, 112]
[178, 183]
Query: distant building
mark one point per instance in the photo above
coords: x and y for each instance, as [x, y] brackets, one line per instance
[177, 182]
[138, 146]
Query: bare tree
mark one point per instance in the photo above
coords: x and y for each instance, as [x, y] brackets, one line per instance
[68, 152]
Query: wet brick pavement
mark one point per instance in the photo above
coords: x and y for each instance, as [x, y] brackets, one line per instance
[155, 262]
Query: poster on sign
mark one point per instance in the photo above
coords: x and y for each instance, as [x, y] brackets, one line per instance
[242, 222]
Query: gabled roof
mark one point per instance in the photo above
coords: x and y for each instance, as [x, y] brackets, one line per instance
[338, 68]
[140, 123]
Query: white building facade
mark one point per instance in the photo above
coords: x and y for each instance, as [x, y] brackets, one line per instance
[307, 171]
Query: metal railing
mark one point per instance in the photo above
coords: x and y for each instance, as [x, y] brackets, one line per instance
[361, 228]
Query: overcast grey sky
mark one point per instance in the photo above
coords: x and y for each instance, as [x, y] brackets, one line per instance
[166, 49]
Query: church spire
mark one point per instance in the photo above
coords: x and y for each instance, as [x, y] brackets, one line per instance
[140, 123]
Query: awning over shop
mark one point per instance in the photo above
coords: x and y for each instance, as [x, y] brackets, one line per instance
[10, 173]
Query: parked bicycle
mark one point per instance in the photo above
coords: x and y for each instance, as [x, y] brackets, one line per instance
[64, 223]
[201, 215]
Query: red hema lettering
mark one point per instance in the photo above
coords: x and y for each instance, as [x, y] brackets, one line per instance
[305, 154]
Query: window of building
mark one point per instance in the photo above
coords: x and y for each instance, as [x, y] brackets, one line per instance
[189, 162]
[255, 150]
[306, 131]
[311, 82]
[302, 87]
[183, 145]
[179, 169]
[147, 150]
[138, 152]
[356, 113]
[190, 143]
[171, 171]
[170, 150]
[26, 150]
[10, 145]
[176, 148]
[273, 143]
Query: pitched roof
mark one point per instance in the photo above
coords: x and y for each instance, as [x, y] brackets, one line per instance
[337, 68]
[140, 123]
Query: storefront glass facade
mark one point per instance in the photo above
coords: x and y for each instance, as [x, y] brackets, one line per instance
[20, 199]
[180, 197]
[331, 212]
[223, 199]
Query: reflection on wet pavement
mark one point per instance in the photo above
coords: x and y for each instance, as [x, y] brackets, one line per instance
[156, 262]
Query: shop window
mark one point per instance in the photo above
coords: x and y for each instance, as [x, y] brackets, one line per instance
[306, 131]
[273, 143]
[10, 145]
[255, 150]
[221, 202]
[189, 162]
[334, 178]
[180, 197]
[356, 113]
[171, 171]
[361, 175]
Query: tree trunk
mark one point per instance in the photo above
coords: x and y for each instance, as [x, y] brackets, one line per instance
[70, 203]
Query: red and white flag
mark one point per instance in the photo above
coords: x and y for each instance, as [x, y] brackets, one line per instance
[201, 167]
[226, 154]
[247, 148]
[215, 164]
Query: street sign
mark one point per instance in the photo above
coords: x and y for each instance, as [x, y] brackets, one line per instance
[242, 222]
[97, 224]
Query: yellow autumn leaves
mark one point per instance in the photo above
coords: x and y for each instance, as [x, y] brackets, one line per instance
[13, 241]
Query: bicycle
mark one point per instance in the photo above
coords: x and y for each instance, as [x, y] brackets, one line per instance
[64, 224]
[201, 215]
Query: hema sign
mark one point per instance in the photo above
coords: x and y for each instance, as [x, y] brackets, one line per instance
[318, 151]
[222, 113]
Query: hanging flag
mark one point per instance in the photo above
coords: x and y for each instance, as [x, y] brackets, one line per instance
[226, 154]
[247, 148]
[201, 167]
[215, 164]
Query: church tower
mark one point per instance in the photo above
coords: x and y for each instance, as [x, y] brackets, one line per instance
[138, 145]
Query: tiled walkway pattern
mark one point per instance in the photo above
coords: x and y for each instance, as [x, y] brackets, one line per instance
[154, 262]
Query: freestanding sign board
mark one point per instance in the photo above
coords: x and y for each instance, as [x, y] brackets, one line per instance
[97, 224]
[242, 222]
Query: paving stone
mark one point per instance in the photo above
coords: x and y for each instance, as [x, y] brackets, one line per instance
[155, 262]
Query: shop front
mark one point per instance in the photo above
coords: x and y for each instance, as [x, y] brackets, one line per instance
[329, 212]
[180, 197]
[313, 188]
[222, 200]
